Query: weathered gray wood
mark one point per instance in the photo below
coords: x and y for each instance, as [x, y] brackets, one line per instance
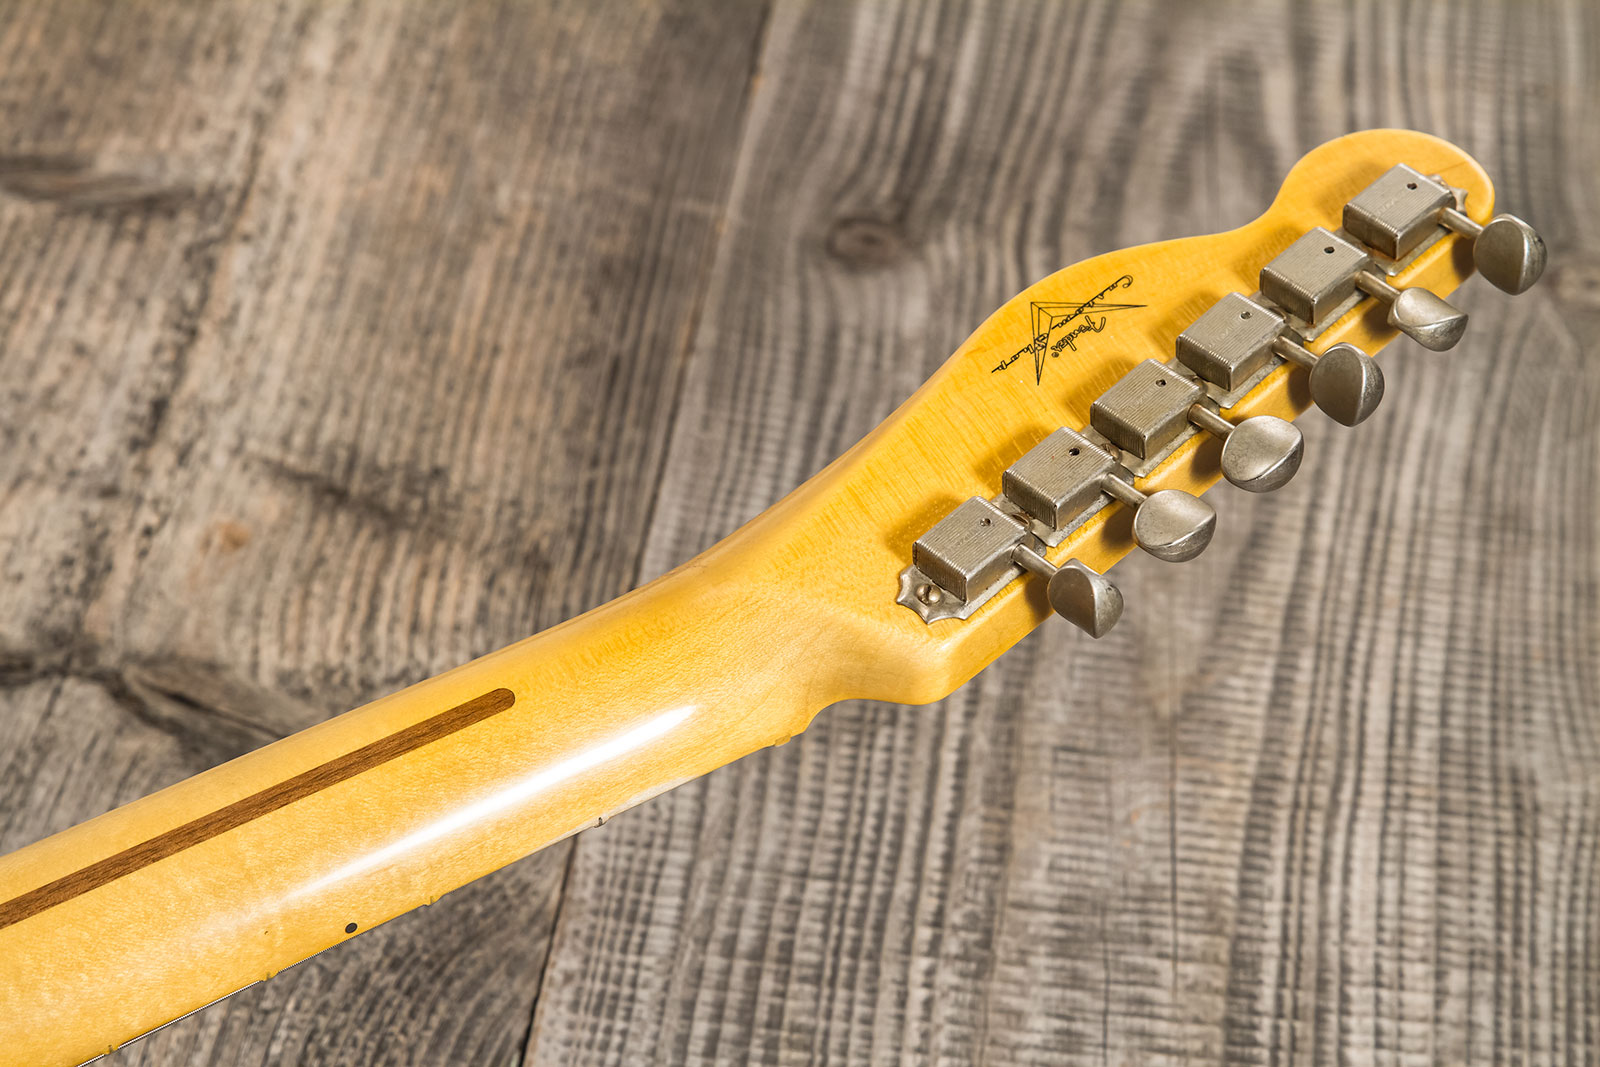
[1330, 795]
[315, 319]
[340, 344]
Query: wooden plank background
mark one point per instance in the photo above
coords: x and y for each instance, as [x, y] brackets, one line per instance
[342, 342]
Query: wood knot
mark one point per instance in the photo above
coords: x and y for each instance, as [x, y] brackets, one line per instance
[865, 243]
[230, 536]
[81, 183]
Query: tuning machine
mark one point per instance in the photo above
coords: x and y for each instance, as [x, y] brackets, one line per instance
[971, 553]
[1152, 404]
[1237, 336]
[1067, 473]
[1396, 213]
[981, 545]
[1082, 596]
[1321, 272]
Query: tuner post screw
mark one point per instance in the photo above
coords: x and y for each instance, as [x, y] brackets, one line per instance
[929, 594]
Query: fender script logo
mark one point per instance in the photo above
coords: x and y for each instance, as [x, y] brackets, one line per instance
[1050, 320]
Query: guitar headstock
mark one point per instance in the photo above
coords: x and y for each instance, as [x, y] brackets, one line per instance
[1087, 416]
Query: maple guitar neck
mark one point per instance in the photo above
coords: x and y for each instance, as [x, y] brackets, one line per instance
[117, 926]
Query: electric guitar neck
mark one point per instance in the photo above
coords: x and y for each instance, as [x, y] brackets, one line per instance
[1084, 420]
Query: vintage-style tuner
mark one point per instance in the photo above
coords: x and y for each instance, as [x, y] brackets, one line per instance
[1329, 277]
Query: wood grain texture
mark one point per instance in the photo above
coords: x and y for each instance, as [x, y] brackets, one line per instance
[203, 828]
[1329, 794]
[1332, 796]
[243, 490]
[165, 905]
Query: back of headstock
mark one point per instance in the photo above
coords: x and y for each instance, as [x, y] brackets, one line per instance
[1088, 414]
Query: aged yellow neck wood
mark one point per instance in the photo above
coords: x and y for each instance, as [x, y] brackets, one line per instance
[115, 927]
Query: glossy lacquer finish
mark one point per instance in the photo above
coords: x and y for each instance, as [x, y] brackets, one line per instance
[144, 914]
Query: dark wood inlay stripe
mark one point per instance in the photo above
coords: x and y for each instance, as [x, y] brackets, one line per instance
[254, 806]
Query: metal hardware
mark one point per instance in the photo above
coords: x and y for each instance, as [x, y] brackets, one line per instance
[1152, 404]
[968, 556]
[1430, 320]
[1260, 453]
[1395, 213]
[962, 561]
[1066, 469]
[1170, 524]
[969, 549]
[1236, 337]
[1230, 342]
[1506, 250]
[1146, 409]
[1346, 383]
[1059, 479]
[1314, 275]
[981, 545]
[1321, 270]
[1080, 595]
